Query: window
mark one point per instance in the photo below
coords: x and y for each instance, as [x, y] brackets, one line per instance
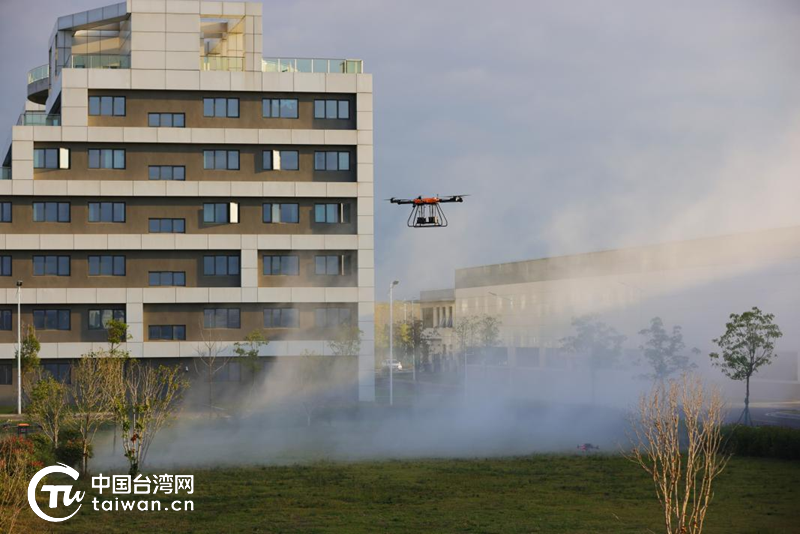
[281, 318]
[167, 278]
[221, 318]
[332, 265]
[331, 161]
[51, 158]
[274, 108]
[280, 160]
[51, 319]
[281, 265]
[221, 107]
[230, 371]
[106, 265]
[107, 212]
[107, 105]
[106, 158]
[5, 212]
[167, 226]
[331, 317]
[221, 212]
[331, 109]
[167, 172]
[5, 320]
[167, 332]
[220, 265]
[51, 212]
[166, 120]
[5, 265]
[51, 266]
[281, 213]
[6, 374]
[98, 319]
[59, 370]
[221, 160]
[331, 213]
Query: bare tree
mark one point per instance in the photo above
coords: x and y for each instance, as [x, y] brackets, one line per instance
[151, 395]
[208, 363]
[95, 378]
[682, 471]
[48, 406]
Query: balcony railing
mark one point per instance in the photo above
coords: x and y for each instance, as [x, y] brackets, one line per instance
[39, 73]
[221, 63]
[97, 61]
[346, 66]
[38, 118]
[5, 173]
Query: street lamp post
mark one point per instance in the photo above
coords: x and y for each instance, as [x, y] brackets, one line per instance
[19, 347]
[391, 342]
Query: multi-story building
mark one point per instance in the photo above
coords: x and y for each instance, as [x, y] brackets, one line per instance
[694, 284]
[166, 174]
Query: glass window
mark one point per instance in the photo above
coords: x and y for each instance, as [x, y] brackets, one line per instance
[107, 212]
[344, 109]
[5, 265]
[45, 158]
[153, 120]
[106, 105]
[5, 212]
[266, 160]
[290, 213]
[233, 107]
[106, 158]
[344, 161]
[319, 161]
[289, 108]
[319, 109]
[94, 105]
[208, 107]
[220, 107]
[221, 318]
[5, 320]
[289, 160]
[119, 106]
[331, 109]
[51, 319]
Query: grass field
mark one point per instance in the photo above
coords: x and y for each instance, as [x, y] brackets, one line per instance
[541, 493]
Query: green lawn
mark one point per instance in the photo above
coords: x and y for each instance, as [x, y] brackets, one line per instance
[541, 493]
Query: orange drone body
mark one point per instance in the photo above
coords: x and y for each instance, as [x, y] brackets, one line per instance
[426, 211]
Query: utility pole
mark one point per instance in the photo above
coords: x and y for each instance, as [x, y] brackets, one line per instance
[391, 342]
[19, 347]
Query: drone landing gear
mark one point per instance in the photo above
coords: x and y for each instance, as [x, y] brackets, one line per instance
[427, 216]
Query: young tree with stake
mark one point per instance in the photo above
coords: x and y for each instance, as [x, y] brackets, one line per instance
[747, 345]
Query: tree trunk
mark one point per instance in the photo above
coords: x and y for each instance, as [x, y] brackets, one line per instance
[747, 420]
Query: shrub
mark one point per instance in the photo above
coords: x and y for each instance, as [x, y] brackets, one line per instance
[42, 449]
[763, 441]
[70, 448]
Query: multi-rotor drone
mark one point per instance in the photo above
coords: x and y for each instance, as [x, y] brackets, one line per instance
[426, 211]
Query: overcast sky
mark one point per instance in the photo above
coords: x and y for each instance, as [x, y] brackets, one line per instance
[574, 126]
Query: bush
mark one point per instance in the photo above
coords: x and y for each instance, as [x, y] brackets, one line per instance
[42, 449]
[763, 441]
[70, 448]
